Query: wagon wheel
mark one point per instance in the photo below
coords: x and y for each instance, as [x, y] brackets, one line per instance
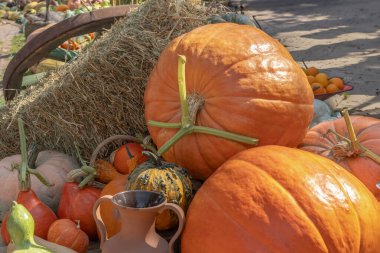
[41, 44]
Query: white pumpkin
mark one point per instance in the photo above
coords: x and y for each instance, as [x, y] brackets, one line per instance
[52, 165]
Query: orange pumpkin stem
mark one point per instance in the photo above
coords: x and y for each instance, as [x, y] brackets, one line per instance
[187, 125]
[355, 144]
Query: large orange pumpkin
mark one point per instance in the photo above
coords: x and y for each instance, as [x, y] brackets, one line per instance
[279, 199]
[238, 79]
[321, 140]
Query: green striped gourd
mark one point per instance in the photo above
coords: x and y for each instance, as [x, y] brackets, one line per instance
[170, 179]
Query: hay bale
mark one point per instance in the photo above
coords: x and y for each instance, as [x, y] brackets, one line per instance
[101, 93]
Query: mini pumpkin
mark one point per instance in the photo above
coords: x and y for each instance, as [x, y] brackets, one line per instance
[170, 179]
[238, 80]
[66, 233]
[127, 157]
[279, 199]
[353, 142]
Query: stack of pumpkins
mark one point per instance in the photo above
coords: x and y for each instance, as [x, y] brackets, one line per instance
[242, 89]
[228, 103]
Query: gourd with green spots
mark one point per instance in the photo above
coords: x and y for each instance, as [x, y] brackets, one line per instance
[168, 178]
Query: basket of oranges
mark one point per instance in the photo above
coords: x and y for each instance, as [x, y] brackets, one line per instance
[324, 86]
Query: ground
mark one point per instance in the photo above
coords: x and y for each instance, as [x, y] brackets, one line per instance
[341, 37]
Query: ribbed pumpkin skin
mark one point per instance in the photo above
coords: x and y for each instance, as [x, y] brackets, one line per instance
[277, 199]
[250, 85]
[169, 179]
[367, 130]
[65, 232]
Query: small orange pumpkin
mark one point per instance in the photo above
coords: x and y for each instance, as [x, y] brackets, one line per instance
[127, 157]
[279, 199]
[353, 142]
[66, 233]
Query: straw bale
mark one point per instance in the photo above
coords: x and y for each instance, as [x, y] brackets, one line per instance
[100, 94]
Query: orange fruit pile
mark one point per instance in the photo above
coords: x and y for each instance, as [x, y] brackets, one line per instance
[321, 83]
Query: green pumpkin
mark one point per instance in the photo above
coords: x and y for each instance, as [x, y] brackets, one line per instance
[232, 18]
[170, 179]
[20, 226]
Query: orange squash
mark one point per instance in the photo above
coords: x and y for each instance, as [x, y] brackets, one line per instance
[279, 199]
[66, 233]
[107, 210]
[359, 154]
[62, 8]
[238, 79]
[105, 171]
[127, 157]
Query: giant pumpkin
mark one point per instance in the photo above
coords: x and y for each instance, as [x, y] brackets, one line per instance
[353, 142]
[279, 199]
[239, 80]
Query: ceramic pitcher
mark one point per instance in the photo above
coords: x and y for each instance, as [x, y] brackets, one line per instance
[138, 211]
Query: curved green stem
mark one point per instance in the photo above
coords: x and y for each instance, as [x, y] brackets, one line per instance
[164, 124]
[38, 175]
[186, 126]
[88, 172]
[24, 170]
[355, 144]
[185, 120]
[226, 135]
[24, 158]
[86, 180]
[82, 162]
[182, 132]
[153, 156]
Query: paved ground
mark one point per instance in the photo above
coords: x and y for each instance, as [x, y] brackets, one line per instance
[341, 37]
[8, 29]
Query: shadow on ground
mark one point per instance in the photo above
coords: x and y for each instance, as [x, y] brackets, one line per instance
[341, 37]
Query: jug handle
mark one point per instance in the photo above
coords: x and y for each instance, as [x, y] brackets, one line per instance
[181, 218]
[98, 218]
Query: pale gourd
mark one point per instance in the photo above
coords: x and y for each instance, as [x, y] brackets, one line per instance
[51, 164]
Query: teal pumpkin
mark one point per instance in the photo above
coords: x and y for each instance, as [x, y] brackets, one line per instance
[170, 179]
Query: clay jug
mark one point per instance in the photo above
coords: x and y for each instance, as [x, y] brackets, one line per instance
[137, 211]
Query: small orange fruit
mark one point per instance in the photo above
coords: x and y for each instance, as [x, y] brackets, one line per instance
[322, 78]
[311, 79]
[312, 71]
[332, 88]
[338, 82]
[318, 88]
